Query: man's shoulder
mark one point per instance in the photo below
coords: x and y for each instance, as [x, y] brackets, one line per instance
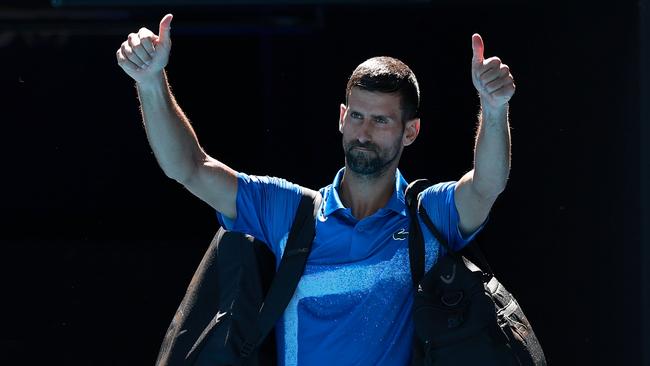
[438, 189]
[264, 180]
[268, 196]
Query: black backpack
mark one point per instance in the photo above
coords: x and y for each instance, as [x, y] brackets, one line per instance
[462, 314]
[236, 296]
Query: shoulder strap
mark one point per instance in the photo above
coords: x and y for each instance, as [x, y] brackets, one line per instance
[474, 250]
[416, 239]
[290, 270]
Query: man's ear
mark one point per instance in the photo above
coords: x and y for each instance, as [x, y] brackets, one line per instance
[411, 131]
[342, 111]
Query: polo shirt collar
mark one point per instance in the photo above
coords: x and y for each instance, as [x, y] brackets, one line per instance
[396, 203]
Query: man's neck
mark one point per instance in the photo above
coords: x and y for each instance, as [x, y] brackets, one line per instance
[365, 196]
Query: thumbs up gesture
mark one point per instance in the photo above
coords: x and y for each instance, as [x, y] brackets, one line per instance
[490, 77]
[144, 54]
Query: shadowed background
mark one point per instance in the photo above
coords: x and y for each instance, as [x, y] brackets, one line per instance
[98, 245]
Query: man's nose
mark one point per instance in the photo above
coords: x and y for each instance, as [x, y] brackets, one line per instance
[365, 131]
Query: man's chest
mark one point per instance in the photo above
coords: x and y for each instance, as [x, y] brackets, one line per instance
[354, 269]
[342, 240]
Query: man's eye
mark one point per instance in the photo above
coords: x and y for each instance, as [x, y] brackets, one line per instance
[355, 115]
[381, 120]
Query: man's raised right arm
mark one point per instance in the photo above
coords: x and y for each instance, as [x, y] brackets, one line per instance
[143, 57]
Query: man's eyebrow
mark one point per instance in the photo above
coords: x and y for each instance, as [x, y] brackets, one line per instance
[381, 116]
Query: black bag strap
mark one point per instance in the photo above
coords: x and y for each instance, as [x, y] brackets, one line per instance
[416, 239]
[292, 265]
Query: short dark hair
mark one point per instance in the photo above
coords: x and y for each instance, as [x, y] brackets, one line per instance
[388, 75]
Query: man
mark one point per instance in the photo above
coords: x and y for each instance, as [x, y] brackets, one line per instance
[353, 303]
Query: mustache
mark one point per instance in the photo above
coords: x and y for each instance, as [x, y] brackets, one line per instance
[365, 145]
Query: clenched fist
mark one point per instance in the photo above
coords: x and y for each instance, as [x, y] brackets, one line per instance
[144, 55]
[490, 77]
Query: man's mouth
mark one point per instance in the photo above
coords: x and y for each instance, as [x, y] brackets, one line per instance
[363, 148]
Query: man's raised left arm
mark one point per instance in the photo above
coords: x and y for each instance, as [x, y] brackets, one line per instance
[479, 188]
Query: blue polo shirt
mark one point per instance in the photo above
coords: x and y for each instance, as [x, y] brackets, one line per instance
[353, 303]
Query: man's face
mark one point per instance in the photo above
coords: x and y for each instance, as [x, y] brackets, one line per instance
[373, 131]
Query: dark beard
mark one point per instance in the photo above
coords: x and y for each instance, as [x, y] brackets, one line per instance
[369, 163]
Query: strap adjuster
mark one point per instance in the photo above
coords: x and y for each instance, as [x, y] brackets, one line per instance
[246, 349]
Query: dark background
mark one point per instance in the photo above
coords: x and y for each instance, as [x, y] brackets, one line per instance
[98, 244]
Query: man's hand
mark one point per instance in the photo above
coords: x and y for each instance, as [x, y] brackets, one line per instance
[491, 78]
[144, 55]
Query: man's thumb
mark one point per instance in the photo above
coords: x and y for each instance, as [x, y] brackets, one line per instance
[165, 29]
[477, 48]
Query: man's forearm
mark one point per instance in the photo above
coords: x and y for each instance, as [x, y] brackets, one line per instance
[169, 132]
[492, 151]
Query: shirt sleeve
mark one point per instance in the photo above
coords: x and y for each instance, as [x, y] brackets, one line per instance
[438, 200]
[266, 207]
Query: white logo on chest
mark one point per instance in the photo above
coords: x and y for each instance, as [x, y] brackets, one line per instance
[401, 234]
